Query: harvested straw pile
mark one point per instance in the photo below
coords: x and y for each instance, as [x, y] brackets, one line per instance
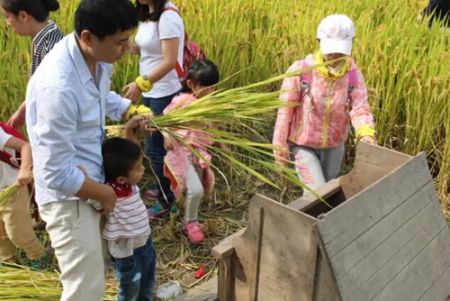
[21, 283]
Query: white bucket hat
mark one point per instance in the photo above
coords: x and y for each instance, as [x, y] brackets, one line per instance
[336, 33]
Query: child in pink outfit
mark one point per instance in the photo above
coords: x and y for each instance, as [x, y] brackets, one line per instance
[327, 99]
[192, 173]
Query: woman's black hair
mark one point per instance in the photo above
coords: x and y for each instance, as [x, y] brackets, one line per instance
[38, 9]
[144, 15]
[202, 72]
[119, 156]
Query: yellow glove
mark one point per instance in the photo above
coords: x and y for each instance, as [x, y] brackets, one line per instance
[143, 83]
[137, 110]
[365, 130]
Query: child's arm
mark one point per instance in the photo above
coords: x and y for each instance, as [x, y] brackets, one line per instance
[25, 176]
[17, 119]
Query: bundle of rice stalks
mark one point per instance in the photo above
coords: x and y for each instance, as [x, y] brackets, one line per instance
[8, 193]
[21, 283]
[236, 118]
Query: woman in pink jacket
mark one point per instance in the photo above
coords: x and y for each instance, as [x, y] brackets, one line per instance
[313, 129]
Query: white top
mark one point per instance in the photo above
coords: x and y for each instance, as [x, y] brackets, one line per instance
[65, 119]
[8, 174]
[149, 41]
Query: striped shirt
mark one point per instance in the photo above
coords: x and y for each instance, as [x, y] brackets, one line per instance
[43, 42]
[129, 218]
[127, 227]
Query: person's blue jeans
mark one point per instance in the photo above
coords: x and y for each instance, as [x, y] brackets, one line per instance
[154, 149]
[136, 274]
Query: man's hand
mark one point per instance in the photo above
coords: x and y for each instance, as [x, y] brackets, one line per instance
[102, 193]
[108, 199]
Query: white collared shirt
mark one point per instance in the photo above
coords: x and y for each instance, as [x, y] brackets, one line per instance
[65, 115]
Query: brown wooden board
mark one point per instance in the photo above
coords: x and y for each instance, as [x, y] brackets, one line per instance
[372, 162]
[389, 241]
[277, 253]
[355, 216]
[420, 273]
[371, 260]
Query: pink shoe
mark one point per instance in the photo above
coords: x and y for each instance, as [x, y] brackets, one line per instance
[194, 232]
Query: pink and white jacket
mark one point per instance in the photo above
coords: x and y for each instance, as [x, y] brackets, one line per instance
[177, 160]
[321, 110]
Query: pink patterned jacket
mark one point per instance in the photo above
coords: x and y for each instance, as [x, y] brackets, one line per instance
[176, 160]
[321, 118]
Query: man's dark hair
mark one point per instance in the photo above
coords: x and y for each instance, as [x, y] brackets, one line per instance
[105, 17]
[119, 155]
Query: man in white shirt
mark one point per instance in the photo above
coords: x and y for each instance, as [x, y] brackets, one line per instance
[67, 100]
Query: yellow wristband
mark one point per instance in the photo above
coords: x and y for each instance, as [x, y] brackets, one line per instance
[365, 130]
[144, 84]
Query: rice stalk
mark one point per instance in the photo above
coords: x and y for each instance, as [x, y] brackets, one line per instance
[8, 193]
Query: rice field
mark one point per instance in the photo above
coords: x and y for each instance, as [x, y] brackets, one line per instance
[404, 62]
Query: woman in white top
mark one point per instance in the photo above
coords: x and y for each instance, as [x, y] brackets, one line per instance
[159, 42]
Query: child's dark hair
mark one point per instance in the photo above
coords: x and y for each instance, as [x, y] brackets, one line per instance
[144, 15]
[105, 17]
[202, 72]
[38, 9]
[119, 155]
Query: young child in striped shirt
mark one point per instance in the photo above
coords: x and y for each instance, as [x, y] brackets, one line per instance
[127, 228]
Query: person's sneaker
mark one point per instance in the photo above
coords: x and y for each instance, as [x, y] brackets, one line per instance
[194, 232]
[157, 211]
[174, 210]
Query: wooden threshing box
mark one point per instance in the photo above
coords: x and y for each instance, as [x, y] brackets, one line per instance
[384, 239]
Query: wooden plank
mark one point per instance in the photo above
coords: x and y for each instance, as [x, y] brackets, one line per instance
[380, 156]
[394, 266]
[369, 206]
[413, 281]
[426, 221]
[440, 288]
[325, 286]
[372, 162]
[286, 248]
[379, 234]
[225, 246]
[304, 202]
[225, 281]
[396, 263]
